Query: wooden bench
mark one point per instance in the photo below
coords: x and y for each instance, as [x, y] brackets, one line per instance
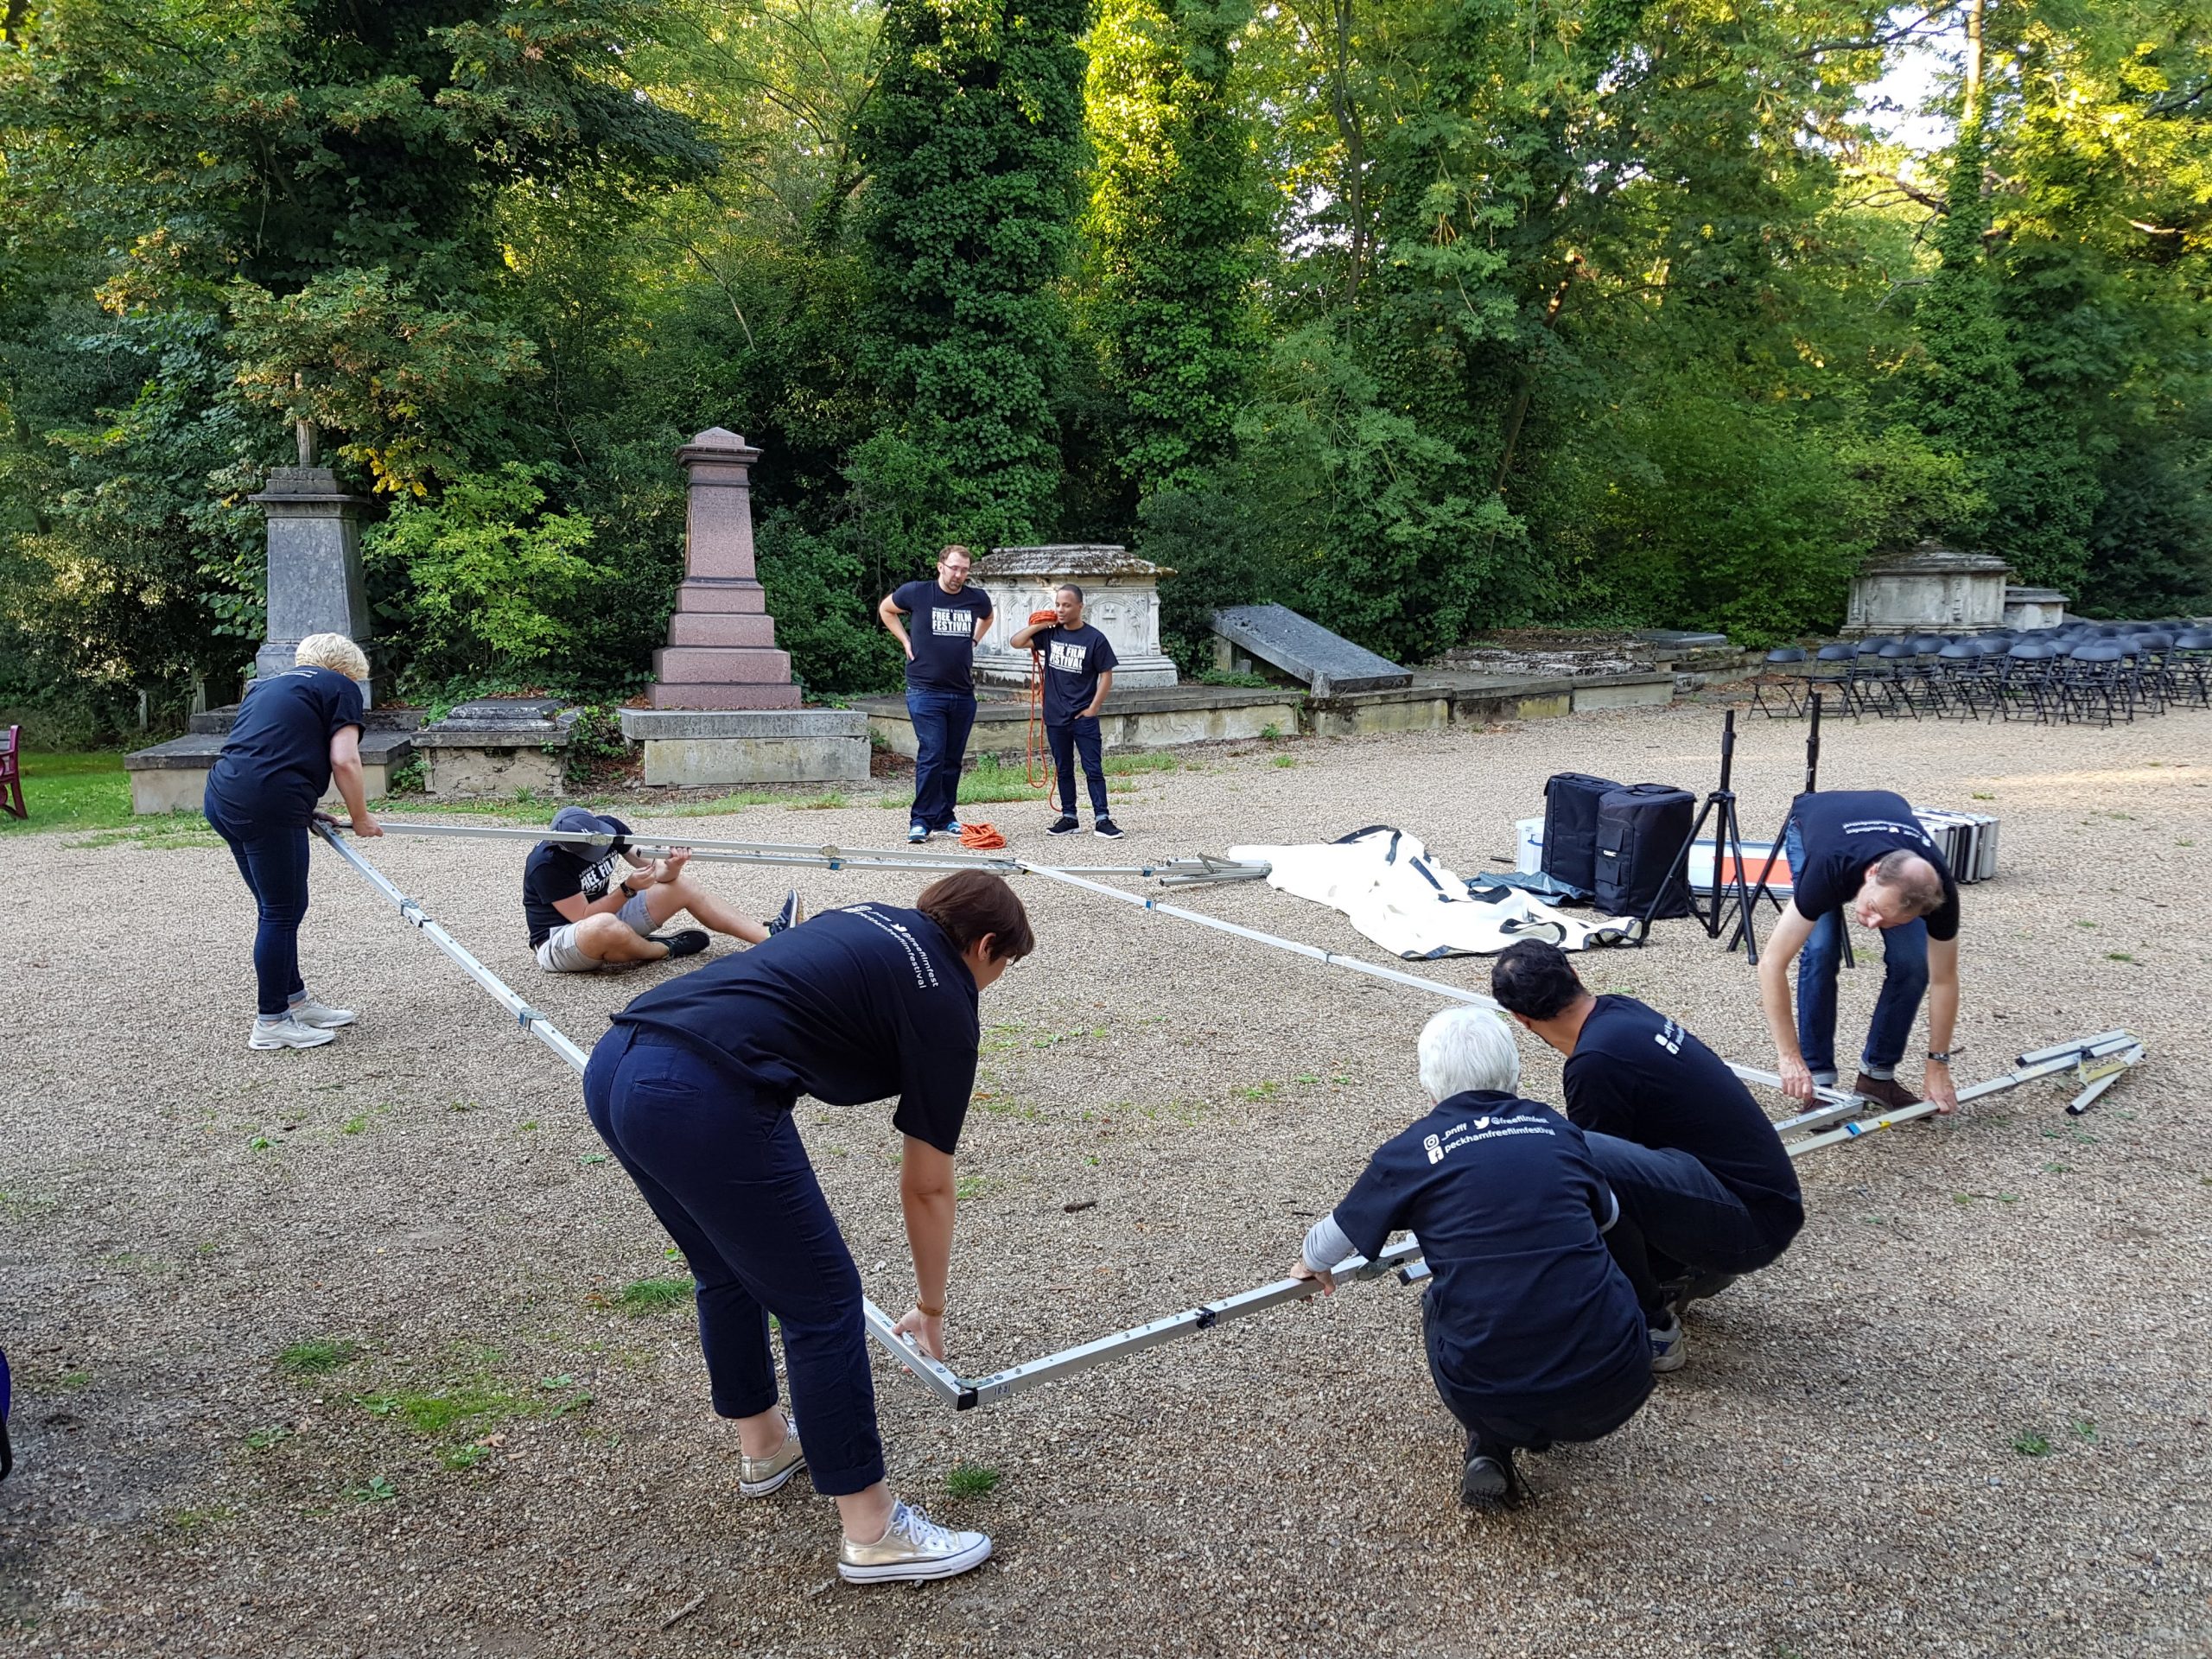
[11, 774]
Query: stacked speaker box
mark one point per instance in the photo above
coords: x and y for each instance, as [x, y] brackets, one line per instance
[1616, 842]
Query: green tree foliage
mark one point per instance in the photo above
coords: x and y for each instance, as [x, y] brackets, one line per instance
[1171, 229]
[1422, 315]
[970, 141]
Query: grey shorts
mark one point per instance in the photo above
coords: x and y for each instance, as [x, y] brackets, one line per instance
[559, 954]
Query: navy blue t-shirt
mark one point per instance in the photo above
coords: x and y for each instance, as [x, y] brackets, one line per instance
[943, 628]
[1530, 1308]
[1074, 659]
[1844, 830]
[555, 870]
[854, 1005]
[1638, 1075]
[275, 764]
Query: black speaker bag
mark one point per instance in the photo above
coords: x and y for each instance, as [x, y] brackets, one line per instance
[1640, 829]
[1571, 826]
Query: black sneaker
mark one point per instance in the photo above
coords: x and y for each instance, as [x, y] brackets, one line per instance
[789, 916]
[690, 943]
[1062, 825]
[1487, 1482]
[1107, 827]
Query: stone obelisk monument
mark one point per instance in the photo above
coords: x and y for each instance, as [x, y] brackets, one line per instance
[721, 642]
[723, 707]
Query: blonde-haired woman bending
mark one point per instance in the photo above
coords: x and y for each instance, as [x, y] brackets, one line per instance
[296, 732]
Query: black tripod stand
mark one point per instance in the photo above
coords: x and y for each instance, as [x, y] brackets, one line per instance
[1727, 853]
[1775, 858]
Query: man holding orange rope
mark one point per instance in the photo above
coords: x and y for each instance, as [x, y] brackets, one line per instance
[1079, 673]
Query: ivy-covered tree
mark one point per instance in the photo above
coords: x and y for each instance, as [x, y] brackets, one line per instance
[1171, 231]
[971, 141]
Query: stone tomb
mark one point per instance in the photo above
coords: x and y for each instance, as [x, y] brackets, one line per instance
[1329, 664]
[1931, 588]
[1121, 599]
[496, 745]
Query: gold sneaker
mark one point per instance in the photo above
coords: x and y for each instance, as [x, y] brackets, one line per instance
[913, 1546]
[758, 1477]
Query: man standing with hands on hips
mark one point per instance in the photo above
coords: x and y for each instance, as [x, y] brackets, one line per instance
[1079, 663]
[1865, 851]
[949, 618]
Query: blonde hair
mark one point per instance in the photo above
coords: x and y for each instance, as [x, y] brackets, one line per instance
[334, 652]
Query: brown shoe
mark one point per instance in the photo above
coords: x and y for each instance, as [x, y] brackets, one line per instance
[1885, 1091]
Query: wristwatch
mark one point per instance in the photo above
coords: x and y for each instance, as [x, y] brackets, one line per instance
[1940, 1058]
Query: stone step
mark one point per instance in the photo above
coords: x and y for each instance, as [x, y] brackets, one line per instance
[730, 593]
[720, 665]
[763, 695]
[722, 628]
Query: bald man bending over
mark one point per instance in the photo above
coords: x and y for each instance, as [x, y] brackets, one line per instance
[1863, 851]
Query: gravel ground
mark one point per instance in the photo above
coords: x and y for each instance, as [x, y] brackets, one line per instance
[1965, 1415]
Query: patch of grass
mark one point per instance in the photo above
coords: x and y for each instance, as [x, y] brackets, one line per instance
[318, 1355]
[989, 781]
[465, 1457]
[259, 1143]
[2028, 1444]
[2085, 1428]
[1271, 733]
[1229, 676]
[2088, 924]
[68, 790]
[1267, 1089]
[1982, 795]
[375, 1489]
[1142, 761]
[593, 1158]
[156, 831]
[442, 1413]
[2118, 956]
[970, 1186]
[353, 1126]
[972, 1480]
[1282, 760]
[642, 1296]
[262, 1439]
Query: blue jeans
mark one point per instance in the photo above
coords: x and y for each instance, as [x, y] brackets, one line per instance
[273, 860]
[720, 1165]
[1079, 737]
[1688, 1222]
[1905, 981]
[1565, 1419]
[942, 721]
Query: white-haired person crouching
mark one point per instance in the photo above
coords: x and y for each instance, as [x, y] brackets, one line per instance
[1534, 1335]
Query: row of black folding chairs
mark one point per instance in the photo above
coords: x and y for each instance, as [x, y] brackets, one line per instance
[2102, 672]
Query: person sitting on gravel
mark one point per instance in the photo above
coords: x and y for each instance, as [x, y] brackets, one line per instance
[692, 1090]
[1533, 1334]
[1707, 1191]
[582, 920]
[1865, 851]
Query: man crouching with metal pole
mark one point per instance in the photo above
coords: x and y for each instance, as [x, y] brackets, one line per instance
[1706, 1187]
[1533, 1333]
[693, 1091]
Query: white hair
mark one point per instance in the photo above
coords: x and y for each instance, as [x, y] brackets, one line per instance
[334, 652]
[1467, 1048]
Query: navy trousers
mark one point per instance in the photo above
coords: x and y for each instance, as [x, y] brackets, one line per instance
[1685, 1219]
[942, 721]
[273, 860]
[720, 1165]
[1563, 1420]
[1079, 737]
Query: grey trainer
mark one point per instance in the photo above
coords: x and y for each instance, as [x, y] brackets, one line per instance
[287, 1032]
[321, 1015]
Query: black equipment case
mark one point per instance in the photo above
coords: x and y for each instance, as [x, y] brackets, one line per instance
[1641, 829]
[1571, 801]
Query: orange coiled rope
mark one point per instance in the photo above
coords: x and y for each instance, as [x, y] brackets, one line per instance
[980, 838]
[1037, 761]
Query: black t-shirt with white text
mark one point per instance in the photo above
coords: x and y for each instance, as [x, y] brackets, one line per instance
[1844, 830]
[943, 628]
[1508, 1206]
[275, 764]
[1638, 1075]
[852, 1006]
[555, 870]
[1074, 659]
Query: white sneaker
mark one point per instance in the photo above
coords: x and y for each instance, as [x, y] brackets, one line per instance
[321, 1015]
[287, 1033]
[915, 1547]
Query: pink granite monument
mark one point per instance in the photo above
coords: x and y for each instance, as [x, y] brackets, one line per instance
[721, 642]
